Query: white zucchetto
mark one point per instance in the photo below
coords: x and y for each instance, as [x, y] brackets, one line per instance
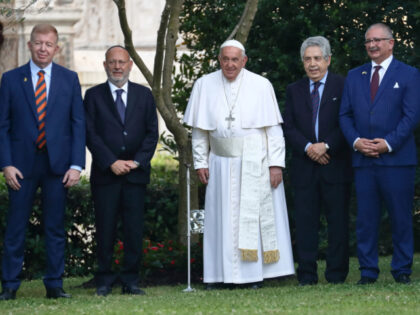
[233, 43]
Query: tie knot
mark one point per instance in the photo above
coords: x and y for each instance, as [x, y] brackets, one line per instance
[119, 92]
[41, 73]
[316, 85]
[377, 68]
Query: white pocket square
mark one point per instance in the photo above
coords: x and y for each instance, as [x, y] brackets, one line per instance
[334, 99]
[396, 86]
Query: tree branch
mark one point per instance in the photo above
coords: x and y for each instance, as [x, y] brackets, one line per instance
[171, 38]
[241, 30]
[160, 48]
[128, 41]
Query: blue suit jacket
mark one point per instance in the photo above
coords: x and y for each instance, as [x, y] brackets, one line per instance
[64, 124]
[393, 115]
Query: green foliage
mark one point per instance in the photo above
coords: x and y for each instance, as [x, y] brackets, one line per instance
[5, 9]
[161, 203]
[80, 227]
[168, 260]
[118, 256]
[164, 262]
[204, 26]
[281, 26]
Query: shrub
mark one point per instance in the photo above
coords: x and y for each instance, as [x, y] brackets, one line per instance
[166, 262]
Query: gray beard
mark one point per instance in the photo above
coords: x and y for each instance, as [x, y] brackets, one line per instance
[116, 81]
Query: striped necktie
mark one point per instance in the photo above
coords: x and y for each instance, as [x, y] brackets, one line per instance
[41, 109]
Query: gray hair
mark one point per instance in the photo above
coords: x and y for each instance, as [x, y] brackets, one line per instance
[319, 41]
[384, 27]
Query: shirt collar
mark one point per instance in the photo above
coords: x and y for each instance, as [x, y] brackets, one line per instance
[323, 80]
[113, 87]
[35, 69]
[385, 64]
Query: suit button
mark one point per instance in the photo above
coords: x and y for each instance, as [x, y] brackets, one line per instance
[125, 133]
[123, 148]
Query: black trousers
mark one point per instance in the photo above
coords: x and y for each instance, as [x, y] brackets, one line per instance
[125, 200]
[334, 198]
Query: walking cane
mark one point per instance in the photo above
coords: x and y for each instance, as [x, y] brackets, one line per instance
[188, 289]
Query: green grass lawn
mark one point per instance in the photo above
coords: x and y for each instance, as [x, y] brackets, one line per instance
[277, 297]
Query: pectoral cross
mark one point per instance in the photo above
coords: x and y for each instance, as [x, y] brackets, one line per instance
[229, 120]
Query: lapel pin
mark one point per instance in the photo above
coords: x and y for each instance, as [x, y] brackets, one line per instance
[364, 72]
[396, 86]
[25, 79]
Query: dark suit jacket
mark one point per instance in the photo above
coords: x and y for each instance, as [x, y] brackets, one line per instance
[393, 115]
[64, 122]
[298, 131]
[108, 139]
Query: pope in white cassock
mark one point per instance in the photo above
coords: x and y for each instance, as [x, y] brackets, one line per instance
[239, 152]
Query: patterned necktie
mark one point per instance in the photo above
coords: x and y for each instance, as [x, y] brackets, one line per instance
[120, 105]
[374, 83]
[41, 108]
[315, 103]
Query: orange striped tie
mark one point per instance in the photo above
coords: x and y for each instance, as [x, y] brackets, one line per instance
[41, 108]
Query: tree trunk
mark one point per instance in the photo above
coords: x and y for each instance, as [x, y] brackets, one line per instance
[241, 30]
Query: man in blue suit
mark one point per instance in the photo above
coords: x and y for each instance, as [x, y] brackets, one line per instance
[42, 141]
[379, 111]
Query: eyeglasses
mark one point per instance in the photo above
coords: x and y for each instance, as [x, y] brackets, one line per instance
[376, 40]
[121, 63]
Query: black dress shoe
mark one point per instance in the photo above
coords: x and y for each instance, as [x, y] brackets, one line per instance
[366, 280]
[403, 278]
[132, 289]
[7, 294]
[55, 293]
[103, 290]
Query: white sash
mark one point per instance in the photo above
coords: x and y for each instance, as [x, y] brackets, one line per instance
[256, 204]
